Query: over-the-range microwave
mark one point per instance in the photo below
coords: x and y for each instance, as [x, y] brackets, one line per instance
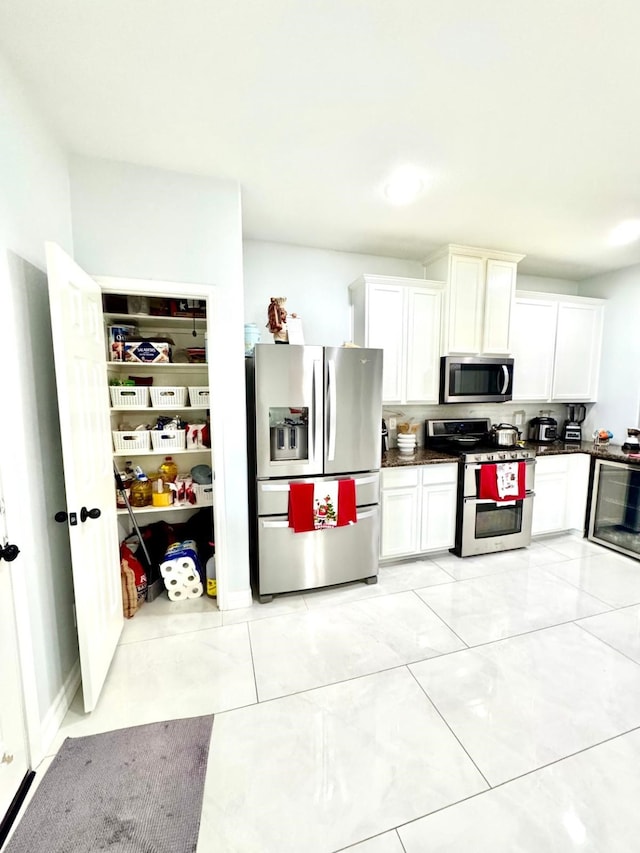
[474, 379]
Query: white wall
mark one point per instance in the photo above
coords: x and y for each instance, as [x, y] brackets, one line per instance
[618, 405]
[34, 207]
[138, 222]
[316, 284]
[546, 285]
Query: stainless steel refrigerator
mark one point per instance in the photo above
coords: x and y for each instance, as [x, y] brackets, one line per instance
[314, 416]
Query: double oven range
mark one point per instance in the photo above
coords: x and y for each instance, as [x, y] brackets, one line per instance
[484, 525]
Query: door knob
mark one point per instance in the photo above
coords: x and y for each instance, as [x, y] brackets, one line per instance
[9, 553]
[89, 513]
[60, 517]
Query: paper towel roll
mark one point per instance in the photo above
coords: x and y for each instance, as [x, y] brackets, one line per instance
[180, 567]
[195, 590]
[178, 593]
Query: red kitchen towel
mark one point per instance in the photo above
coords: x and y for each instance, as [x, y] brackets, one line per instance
[301, 507]
[347, 513]
[488, 485]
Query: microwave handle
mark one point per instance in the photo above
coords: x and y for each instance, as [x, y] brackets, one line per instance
[505, 371]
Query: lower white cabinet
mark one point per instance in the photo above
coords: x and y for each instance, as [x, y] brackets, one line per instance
[418, 509]
[560, 493]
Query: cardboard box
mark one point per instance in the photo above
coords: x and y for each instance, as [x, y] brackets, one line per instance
[188, 308]
[147, 352]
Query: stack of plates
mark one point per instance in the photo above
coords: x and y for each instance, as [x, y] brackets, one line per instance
[406, 443]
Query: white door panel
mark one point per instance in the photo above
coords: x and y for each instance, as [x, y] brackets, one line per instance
[14, 763]
[81, 378]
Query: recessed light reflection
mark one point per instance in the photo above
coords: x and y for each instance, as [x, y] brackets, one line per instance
[404, 185]
[626, 232]
[575, 827]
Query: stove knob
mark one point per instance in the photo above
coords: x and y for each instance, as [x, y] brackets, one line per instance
[502, 455]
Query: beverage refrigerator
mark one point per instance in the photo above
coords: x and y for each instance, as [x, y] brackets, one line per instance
[314, 416]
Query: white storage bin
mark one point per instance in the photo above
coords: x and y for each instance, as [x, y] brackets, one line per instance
[168, 397]
[132, 440]
[204, 494]
[199, 396]
[129, 395]
[168, 439]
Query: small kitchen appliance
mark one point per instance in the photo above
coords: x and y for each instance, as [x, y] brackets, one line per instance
[484, 525]
[632, 441]
[572, 430]
[474, 379]
[385, 437]
[504, 435]
[543, 429]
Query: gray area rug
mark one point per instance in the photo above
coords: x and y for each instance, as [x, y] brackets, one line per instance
[137, 790]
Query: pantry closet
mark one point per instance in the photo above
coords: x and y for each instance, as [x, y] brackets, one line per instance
[104, 422]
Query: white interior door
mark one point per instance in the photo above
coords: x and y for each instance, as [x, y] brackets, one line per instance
[81, 378]
[14, 763]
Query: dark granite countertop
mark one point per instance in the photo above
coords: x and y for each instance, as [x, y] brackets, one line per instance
[614, 452]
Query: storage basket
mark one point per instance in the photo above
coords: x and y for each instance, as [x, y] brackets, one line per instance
[168, 439]
[132, 441]
[199, 396]
[203, 494]
[168, 397]
[129, 395]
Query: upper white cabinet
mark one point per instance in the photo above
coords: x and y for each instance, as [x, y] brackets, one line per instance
[556, 347]
[401, 316]
[481, 285]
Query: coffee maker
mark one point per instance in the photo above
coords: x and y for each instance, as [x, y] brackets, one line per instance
[572, 429]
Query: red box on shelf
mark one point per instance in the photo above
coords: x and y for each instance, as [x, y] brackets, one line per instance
[188, 308]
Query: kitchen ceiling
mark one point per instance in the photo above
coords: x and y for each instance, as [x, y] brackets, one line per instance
[524, 116]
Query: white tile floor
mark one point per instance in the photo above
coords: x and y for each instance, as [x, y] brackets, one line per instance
[486, 704]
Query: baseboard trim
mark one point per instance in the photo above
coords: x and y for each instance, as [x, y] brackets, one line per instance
[57, 710]
[238, 599]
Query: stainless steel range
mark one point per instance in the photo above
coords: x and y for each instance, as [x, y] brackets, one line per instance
[495, 504]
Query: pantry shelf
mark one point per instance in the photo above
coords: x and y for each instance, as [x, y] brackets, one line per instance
[164, 451]
[149, 321]
[161, 409]
[172, 508]
[164, 365]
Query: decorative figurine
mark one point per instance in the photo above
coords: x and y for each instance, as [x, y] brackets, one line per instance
[277, 319]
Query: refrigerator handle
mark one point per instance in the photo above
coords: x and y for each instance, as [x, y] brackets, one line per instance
[331, 449]
[317, 410]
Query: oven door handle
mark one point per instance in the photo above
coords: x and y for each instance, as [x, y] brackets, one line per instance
[478, 466]
[526, 497]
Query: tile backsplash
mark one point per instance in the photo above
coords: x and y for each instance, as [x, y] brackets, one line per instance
[496, 412]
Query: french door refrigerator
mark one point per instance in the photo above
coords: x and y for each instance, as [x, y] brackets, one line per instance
[314, 416]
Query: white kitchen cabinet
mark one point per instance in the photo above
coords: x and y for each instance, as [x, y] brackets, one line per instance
[561, 487]
[556, 347]
[534, 338]
[401, 316]
[480, 291]
[400, 507]
[550, 501]
[418, 506]
[578, 348]
[438, 507]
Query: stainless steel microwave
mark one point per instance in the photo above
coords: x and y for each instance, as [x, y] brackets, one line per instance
[475, 379]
